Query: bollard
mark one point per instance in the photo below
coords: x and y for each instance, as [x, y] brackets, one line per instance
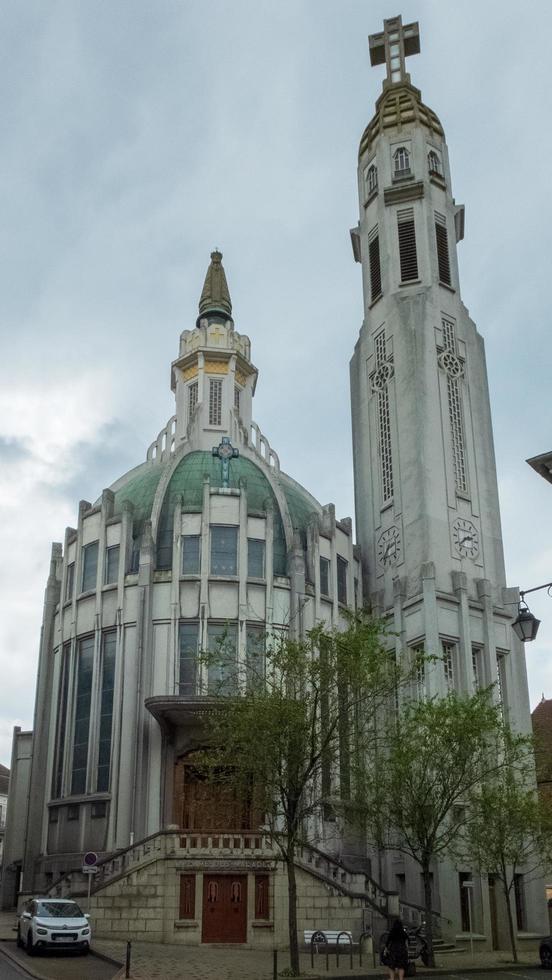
[275, 964]
[127, 965]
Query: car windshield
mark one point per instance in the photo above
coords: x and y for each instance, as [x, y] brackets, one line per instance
[59, 910]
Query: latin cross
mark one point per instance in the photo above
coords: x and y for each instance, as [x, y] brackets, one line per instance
[225, 452]
[393, 45]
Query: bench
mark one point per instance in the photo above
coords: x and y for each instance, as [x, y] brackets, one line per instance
[328, 937]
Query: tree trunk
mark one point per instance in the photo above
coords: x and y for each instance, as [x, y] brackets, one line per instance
[511, 929]
[429, 918]
[292, 911]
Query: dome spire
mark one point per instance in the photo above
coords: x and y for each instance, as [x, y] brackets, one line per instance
[215, 297]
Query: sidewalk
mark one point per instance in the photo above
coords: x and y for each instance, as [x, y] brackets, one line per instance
[155, 961]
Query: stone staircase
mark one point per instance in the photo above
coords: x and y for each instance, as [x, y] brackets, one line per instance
[165, 844]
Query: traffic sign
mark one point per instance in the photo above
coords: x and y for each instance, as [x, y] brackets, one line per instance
[90, 859]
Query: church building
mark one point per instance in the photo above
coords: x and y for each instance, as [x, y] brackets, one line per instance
[209, 537]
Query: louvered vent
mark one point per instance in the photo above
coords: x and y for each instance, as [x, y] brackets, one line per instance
[407, 245]
[441, 238]
[375, 266]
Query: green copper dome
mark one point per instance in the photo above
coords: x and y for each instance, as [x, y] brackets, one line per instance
[186, 483]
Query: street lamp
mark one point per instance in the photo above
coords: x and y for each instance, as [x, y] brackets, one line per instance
[526, 626]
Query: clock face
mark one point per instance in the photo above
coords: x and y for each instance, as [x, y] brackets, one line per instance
[389, 546]
[465, 537]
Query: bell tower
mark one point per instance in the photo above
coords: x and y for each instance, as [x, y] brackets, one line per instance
[426, 495]
[425, 480]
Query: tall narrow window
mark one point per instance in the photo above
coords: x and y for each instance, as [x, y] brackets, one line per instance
[215, 401]
[401, 162]
[449, 656]
[417, 654]
[407, 245]
[237, 399]
[188, 635]
[222, 641]
[112, 564]
[501, 683]
[191, 554]
[464, 902]
[441, 239]
[89, 566]
[324, 576]
[85, 665]
[261, 897]
[519, 895]
[375, 265]
[372, 179]
[255, 558]
[476, 668]
[382, 374]
[109, 646]
[342, 568]
[433, 163]
[452, 366]
[255, 657]
[61, 722]
[187, 896]
[224, 550]
[192, 398]
[69, 581]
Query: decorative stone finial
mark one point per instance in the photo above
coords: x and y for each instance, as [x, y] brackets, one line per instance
[215, 297]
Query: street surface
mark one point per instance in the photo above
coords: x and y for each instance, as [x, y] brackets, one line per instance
[66, 966]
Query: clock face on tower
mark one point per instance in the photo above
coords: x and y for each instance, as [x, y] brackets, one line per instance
[389, 546]
[465, 537]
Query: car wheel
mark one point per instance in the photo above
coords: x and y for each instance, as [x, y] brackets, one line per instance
[31, 948]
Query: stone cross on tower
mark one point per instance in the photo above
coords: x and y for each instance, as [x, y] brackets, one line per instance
[393, 45]
[225, 452]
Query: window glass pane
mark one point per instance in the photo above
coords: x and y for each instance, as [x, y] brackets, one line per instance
[70, 581]
[191, 554]
[112, 564]
[61, 720]
[188, 641]
[89, 566]
[192, 398]
[255, 558]
[109, 645]
[255, 657]
[224, 550]
[325, 576]
[215, 402]
[85, 663]
[342, 566]
[222, 642]
[449, 656]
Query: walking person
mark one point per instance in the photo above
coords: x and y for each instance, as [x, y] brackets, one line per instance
[395, 952]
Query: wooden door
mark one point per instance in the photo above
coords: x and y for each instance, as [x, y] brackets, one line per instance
[207, 805]
[224, 909]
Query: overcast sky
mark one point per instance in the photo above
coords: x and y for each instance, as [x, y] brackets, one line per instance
[136, 136]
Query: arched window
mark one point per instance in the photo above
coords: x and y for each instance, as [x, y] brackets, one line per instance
[433, 163]
[401, 158]
[372, 178]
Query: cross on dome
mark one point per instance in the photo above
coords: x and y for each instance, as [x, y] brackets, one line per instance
[393, 45]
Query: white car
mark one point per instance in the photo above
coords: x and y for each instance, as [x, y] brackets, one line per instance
[53, 922]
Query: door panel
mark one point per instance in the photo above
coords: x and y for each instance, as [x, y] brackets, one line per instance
[224, 909]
